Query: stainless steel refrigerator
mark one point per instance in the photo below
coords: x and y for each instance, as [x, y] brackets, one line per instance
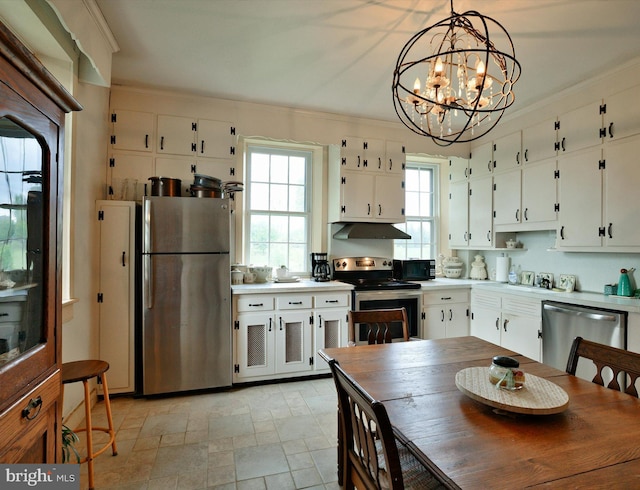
[185, 294]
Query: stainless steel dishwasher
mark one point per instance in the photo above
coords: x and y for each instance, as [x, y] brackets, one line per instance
[563, 322]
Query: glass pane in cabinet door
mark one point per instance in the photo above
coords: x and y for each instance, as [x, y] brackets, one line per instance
[21, 240]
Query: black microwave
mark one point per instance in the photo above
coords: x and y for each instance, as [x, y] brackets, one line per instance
[414, 270]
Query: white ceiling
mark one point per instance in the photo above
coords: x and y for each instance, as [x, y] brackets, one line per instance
[338, 56]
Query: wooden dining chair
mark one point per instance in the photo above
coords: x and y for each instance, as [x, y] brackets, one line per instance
[378, 324]
[619, 361]
[370, 455]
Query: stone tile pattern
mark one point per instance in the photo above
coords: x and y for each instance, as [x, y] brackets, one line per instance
[276, 436]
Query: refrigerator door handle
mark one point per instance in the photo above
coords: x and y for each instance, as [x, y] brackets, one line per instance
[147, 227]
[148, 297]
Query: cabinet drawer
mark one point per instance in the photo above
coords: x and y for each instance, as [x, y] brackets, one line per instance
[293, 302]
[487, 300]
[445, 296]
[13, 423]
[257, 302]
[331, 300]
[522, 306]
[10, 312]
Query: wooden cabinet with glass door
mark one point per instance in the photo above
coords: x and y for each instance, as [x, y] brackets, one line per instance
[32, 108]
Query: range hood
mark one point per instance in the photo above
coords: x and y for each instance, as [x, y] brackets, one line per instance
[370, 231]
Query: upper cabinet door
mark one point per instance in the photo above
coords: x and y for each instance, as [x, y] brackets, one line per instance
[458, 169]
[580, 128]
[176, 135]
[507, 152]
[395, 158]
[216, 139]
[132, 130]
[621, 114]
[351, 153]
[481, 162]
[539, 141]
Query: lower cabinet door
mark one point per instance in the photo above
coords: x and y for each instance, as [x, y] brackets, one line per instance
[256, 345]
[293, 342]
[330, 330]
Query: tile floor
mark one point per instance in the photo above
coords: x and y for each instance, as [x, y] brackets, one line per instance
[277, 436]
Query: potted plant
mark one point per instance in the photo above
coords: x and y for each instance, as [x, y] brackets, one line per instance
[69, 439]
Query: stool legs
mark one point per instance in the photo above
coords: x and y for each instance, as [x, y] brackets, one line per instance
[107, 404]
[89, 429]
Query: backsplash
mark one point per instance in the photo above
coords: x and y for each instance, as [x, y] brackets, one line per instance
[592, 270]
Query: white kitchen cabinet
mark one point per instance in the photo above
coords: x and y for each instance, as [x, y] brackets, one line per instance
[539, 194]
[374, 155]
[204, 138]
[445, 314]
[507, 152]
[511, 321]
[595, 186]
[458, 215]
[458, 169]
[580, 128]
[351, 153]
[539, 141]
[278, 335]
[368, 197]
[132, 130]
[621, 115]
[481, 161]
[580, 199]
[116, 286]
[125, 169]
[329, 325]
[507, 190]
[481, 212]
[395, 157]
[176, 135]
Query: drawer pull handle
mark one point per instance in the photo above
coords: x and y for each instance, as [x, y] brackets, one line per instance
[444, 298]
[331, 301]
[295, 302]
[256, 304]
[33, 405]
[4, 314]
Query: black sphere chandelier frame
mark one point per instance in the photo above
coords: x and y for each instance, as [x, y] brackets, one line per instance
[468, 81]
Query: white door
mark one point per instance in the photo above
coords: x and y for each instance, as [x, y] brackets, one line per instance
[507, 152]
[539, 141]
[132, 130]
[293, 342]
[458, 214]
[116, 220]
[506, 197]
[255, 344]
[485, 324]
[521, 334]
[389, 199]
[481, 212]
[357, 196]
[539, 194]
[216, 139]
[330, 330]
[176, 135]
[457, 316]
[481, 162]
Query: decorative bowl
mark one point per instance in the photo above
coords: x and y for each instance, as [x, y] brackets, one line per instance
[453, 273]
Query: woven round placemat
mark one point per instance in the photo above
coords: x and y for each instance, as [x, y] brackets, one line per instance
[538, 396]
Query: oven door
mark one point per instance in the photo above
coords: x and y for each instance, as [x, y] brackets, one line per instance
[411, 299]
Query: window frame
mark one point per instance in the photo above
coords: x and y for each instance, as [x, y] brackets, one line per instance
[315, 156]
[433, 164]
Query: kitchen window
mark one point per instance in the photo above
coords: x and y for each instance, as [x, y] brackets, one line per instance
[278, 207]
[421, 211]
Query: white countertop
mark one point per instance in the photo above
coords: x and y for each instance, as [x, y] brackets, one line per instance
[597, 300]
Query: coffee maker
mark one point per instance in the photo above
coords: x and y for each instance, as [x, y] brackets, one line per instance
[320, 268]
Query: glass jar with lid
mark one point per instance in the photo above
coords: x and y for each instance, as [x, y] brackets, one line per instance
[505, 372]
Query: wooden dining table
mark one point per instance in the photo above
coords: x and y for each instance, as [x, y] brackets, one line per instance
[593, 443]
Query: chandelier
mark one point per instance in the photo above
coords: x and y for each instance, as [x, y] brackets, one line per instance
[451, 82]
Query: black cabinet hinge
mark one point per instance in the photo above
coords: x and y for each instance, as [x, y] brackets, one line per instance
[311, 361]
[601, 231]
[539, 334]
[232, 171]
[556, 146]
[603, 109]
[194, 126]
[365, 145]
[310, 319]
[194, 147]
[556, 174]
[112, 162]
[403, 150]
[602, 164]
[343, 161]
[344, 143]
[101, 215]
[236, 368]
[232, 131]
[343, 180]
[556, 207]
[236, 325]
[232, 150]
[100, 298]
[193, 168]
[111, 190]
[423, 316]
[114, 117]
[556, 125]
[343, 209]
[602, 132]
[113, 139]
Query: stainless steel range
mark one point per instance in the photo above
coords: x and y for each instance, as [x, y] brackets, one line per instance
[375, 288]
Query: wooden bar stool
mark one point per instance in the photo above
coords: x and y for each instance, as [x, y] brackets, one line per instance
[84, 371]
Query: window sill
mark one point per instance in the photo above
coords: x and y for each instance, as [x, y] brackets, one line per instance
[67, 309]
